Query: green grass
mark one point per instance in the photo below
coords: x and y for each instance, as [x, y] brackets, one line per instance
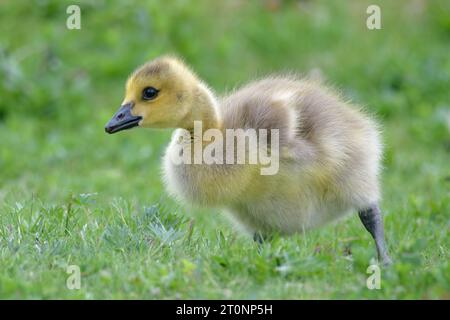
[72, 195]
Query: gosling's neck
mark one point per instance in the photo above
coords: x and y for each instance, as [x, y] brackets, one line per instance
[205, 109]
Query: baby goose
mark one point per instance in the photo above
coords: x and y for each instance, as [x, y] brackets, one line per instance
[329, 158]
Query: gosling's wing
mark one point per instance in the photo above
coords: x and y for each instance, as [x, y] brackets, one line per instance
[264, 104]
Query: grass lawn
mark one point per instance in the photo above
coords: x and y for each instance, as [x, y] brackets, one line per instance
[72, 195]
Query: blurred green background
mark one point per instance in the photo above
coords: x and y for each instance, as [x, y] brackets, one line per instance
[70, 194]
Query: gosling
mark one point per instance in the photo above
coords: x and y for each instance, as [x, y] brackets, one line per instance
[329, 150]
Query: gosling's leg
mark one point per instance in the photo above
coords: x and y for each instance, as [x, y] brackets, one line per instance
[373, 221]
[260, 238]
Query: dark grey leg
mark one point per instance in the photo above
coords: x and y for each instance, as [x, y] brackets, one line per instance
[373, 221]
[258, 237]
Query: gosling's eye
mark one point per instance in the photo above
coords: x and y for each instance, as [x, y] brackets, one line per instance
[149, 93]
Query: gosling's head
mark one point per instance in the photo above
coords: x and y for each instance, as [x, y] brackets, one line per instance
[160, 94]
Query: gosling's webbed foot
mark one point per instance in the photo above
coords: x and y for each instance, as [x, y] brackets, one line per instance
[373, 222]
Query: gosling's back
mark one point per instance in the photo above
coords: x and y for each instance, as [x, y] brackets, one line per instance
[317, 128]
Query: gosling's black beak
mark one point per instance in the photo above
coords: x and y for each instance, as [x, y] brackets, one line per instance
[122, 120]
